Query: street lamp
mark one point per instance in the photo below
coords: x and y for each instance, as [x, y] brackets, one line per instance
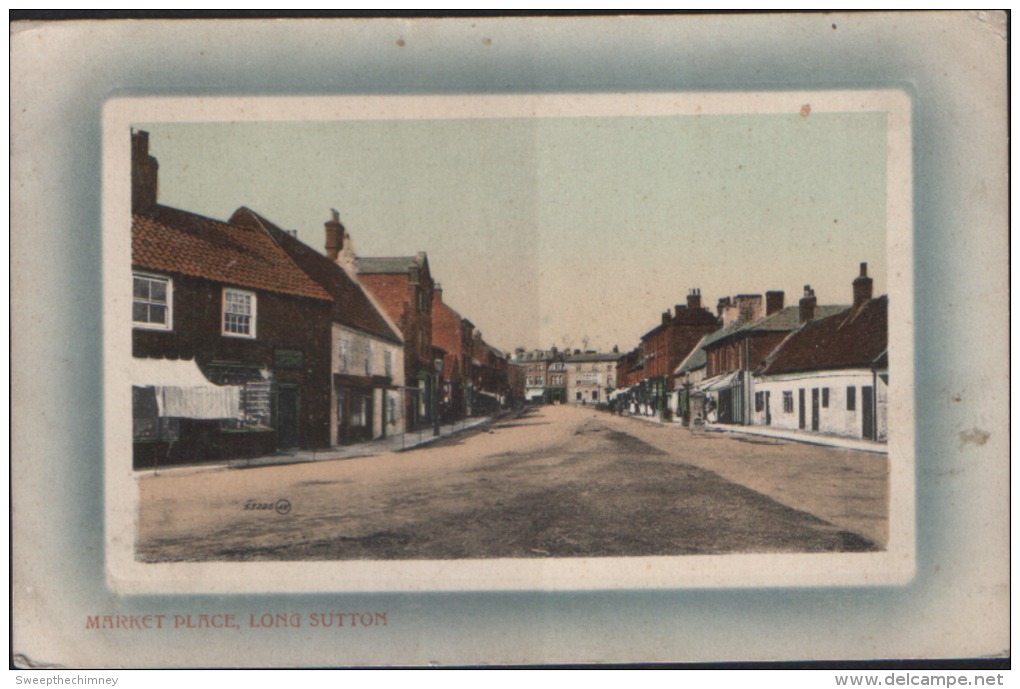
[438, 365]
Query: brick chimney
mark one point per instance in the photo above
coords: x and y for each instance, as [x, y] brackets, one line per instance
[774, 300]
[334, 235]
[748, 307]
[694, 298]
[665, 317]
[724, 303]
[339, 247]
[437, 293]
[807, 304]
[144, 174]
[862, 287]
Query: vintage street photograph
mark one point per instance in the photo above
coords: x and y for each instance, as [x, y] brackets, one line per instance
[455, 341]
[551, 334]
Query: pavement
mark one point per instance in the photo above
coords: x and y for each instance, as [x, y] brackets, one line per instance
[859, 444]
[395, 443]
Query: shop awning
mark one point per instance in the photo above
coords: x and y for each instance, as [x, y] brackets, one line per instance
[720, 382]
[616, 393]
[182, 391]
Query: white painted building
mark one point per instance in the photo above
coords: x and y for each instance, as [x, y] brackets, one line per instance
[831, 376]
[850, 402]
[590, 376]
[365, 397]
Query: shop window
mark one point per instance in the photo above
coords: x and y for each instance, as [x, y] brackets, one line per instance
[150, 306]
[759, 401]
[238, 313]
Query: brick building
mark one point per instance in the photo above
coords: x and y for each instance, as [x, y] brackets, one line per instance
[455, 334]
[664, 347]
[545, 375]
[403, 286]
[230, 340]
[490, 377]
[629, 369]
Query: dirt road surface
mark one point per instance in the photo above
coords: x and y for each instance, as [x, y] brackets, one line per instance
[557, 481]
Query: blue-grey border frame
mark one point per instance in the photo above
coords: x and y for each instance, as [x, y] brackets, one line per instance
[57, 305]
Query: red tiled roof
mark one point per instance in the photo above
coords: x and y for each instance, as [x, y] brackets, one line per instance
[849, 339]
[352, 306]
[175, 241]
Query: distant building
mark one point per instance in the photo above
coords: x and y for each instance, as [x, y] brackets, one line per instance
[646, 375]
[490, 390]
[591, 376]
[832, 374]
[455, 334]
[545, 375]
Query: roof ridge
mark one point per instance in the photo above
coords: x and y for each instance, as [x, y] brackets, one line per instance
[350, 321]
[262, 221]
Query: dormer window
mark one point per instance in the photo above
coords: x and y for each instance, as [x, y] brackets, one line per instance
[151, 302]
[238, 313]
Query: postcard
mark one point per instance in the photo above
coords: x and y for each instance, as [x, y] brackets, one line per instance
[428, 369]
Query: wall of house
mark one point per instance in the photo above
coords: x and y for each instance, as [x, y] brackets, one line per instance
[398, 294]
[366, 358]
[590, 379]
[835, 419]
[282, 323]
[453, 334]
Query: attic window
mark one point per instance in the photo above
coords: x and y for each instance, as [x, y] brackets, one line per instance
[238, 313]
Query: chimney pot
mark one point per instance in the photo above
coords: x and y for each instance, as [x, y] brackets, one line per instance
[774, 302]
[862, 287]
[334, 235]
[723, 304]
[807, 304]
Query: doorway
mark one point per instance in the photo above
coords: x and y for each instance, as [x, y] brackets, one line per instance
[868, 412]
[287, 423]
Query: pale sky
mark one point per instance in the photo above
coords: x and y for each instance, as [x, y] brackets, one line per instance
[543, 230]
